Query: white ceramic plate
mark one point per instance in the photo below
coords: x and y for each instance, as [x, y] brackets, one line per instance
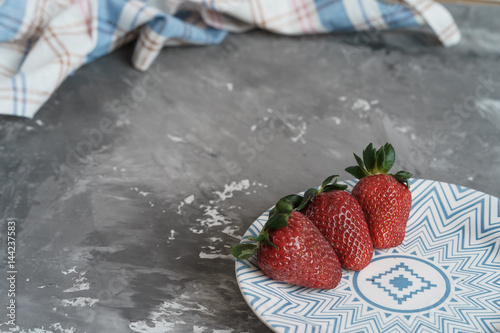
[445, 277]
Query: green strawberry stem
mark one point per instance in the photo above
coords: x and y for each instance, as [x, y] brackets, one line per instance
[326, 186]
[278, 216]
[376, 162]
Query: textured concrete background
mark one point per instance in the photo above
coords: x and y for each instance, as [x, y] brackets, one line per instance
[129, 188]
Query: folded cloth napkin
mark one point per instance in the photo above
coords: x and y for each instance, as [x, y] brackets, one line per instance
[44, 41]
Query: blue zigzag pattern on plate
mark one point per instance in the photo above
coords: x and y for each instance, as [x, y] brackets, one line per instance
[451, 227]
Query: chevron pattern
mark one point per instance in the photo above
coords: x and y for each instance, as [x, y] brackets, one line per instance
[445, 277]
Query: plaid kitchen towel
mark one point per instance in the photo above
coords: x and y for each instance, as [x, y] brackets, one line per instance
[44, 41]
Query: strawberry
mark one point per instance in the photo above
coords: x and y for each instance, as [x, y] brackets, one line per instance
[291, 249]
[385, 198]
[339, 217]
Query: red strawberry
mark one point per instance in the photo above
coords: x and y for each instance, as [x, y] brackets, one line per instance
[291, 249]
[340, 219]
[385, 198]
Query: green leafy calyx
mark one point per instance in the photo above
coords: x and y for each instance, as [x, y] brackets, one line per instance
[328, 185]
[376, 162]
[278, 218]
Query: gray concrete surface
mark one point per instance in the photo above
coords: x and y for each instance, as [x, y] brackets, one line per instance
[129, 188]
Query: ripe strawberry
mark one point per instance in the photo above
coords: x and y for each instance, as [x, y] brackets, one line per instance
[291, 249]
[385, 198]
[340, 219]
